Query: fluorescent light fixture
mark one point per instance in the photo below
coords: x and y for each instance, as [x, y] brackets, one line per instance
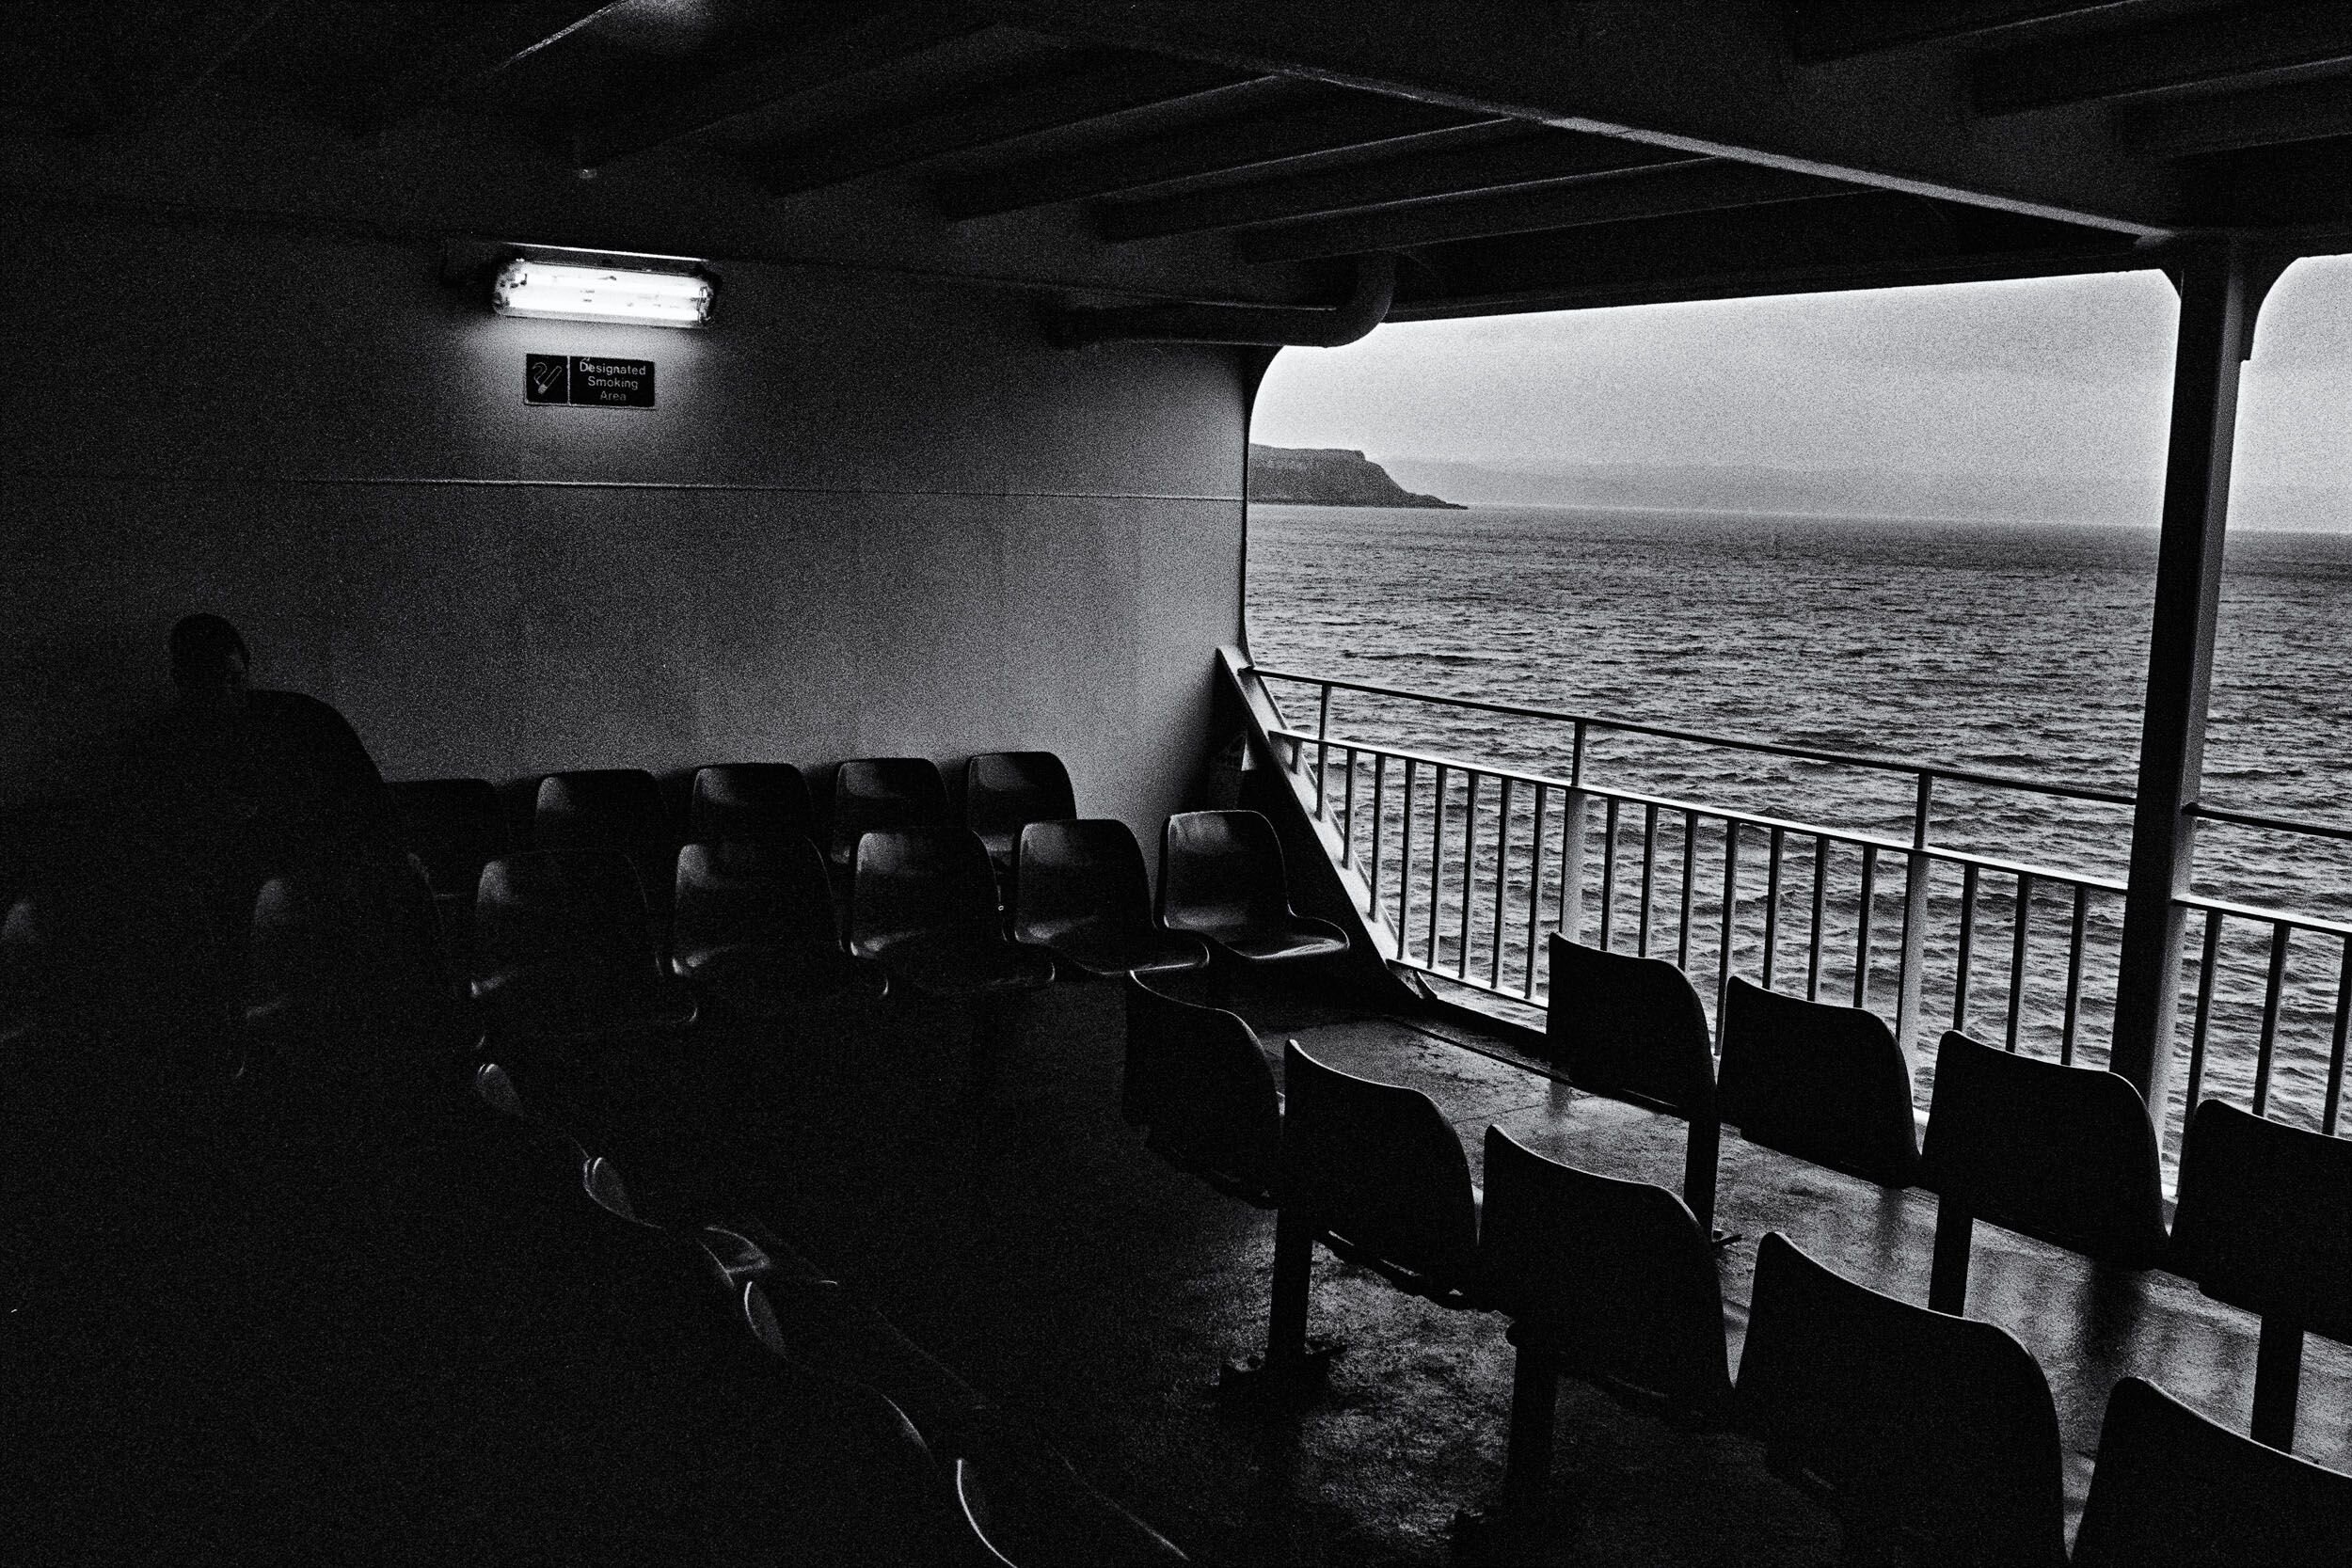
[561, 291]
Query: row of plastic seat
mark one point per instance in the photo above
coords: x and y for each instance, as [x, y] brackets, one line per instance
[2066, 1155]
[1922, 1427]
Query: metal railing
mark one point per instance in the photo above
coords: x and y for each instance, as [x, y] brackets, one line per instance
[1468, 864]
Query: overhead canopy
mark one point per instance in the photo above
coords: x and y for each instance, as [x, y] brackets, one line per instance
[1512, 153]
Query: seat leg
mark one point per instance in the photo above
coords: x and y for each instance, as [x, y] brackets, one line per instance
[1948, 1279]
[1519, 1515]
[2278, 1382]
[1293, 1368]
[1699, 1154]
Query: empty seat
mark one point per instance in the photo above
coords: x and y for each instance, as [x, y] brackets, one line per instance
[758, 802]
[1197, 1082]
[2264, 1222]
[453, 826]
[343, 972]
[1632, 1029]
[2066, 1155]
[1375, 1173]
[872, 793]
[1823, 1082]
[1927, 1432]
[1612, 1282]
[754, 927]
[610, 808]
[923, 905]
[563, 950]
[2174, 1490]
[1006, 791]
[1221, 878]
[1082, 895]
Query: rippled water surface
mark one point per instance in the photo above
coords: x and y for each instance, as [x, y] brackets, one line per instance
[2018, 649]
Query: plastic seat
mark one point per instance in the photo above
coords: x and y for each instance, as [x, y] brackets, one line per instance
[757, 802]
[563, 950]
[1377, 1174]
[874, 793]
[454, 827]
[2066, 1155]
[1933, 1432]
[1199, 1083]
[1221, 878]
[1612, 1282]
[2264, 1222]
[1632, 1028]
[1823, 1082]
[349, 969]
[1081, 894]
[923, 905]
[2174, 1490]
[610, 808]
[1006, 791]
[754, 927]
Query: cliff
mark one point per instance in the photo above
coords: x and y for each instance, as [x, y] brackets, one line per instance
[1328, 476]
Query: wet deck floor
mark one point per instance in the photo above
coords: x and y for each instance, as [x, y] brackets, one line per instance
[1035, 1244]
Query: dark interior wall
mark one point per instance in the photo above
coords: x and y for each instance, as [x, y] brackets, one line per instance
[872, 514]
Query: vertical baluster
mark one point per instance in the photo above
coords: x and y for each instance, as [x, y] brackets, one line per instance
[1918, 873]
[1379, 824]
[1689, 881]
[1731, 905]
[2017, 954]
[1347, 809]
[1649, 868]
[2334, 1102]
[1771, 902]
[2280, 933]
[1405, 867]
[1502, 878]
[1323, 744]
[1535, 879]
[1470, 872]
[1862, 924]
[1968, 958]
[2207, 961]
[1820, 908]
[1609, 875]
[2073, 976]
[1436, 861]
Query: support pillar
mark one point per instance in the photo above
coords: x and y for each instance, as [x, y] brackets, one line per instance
[2220, 289]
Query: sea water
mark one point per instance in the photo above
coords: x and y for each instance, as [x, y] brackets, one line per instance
[2017, 649]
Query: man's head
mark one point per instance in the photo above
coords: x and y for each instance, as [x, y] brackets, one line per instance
[208, 662]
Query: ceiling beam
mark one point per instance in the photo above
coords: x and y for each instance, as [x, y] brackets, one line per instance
[1840, 29]
[502, 36]
[1695, 188]
[1317, 120]
[1096, 87]
[1531, 157]
[2245, 41]
[891, 33]
[2267, 116]
[1714, 79]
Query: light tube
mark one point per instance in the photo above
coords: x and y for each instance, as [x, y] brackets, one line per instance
[555, 292]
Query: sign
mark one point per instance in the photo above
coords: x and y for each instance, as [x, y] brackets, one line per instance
[587, 381]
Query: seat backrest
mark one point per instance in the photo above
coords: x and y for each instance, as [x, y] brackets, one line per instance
[749, 891]
[599, 808]
[1197, 1078]
[1378, 1167]
[885, 792]
[1079, 874]
[1220, 870]
[1621, 1025]
[2064, 1154]
[2264, 1218]
[580, 910]
[1934, 1431]
[765, 803]
[912, 880]
[1006, 791]
[1820, 1082]
[1615, 1280]
[2174, 1490]
[454, 826]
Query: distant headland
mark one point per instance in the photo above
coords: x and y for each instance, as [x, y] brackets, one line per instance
[1328, 476]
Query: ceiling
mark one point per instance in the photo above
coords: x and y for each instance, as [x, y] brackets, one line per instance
[1512, 154]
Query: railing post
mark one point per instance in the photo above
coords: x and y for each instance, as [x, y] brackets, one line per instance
[1908, 985]
[2219, 295]
[1572, 847]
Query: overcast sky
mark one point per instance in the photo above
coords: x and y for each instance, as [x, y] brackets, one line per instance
[2066, 375]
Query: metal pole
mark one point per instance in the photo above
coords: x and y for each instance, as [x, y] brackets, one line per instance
[2219, 299]
[1912, 975]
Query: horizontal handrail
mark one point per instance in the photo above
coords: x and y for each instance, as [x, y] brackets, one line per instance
[2271, 824]
[1769, 747]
